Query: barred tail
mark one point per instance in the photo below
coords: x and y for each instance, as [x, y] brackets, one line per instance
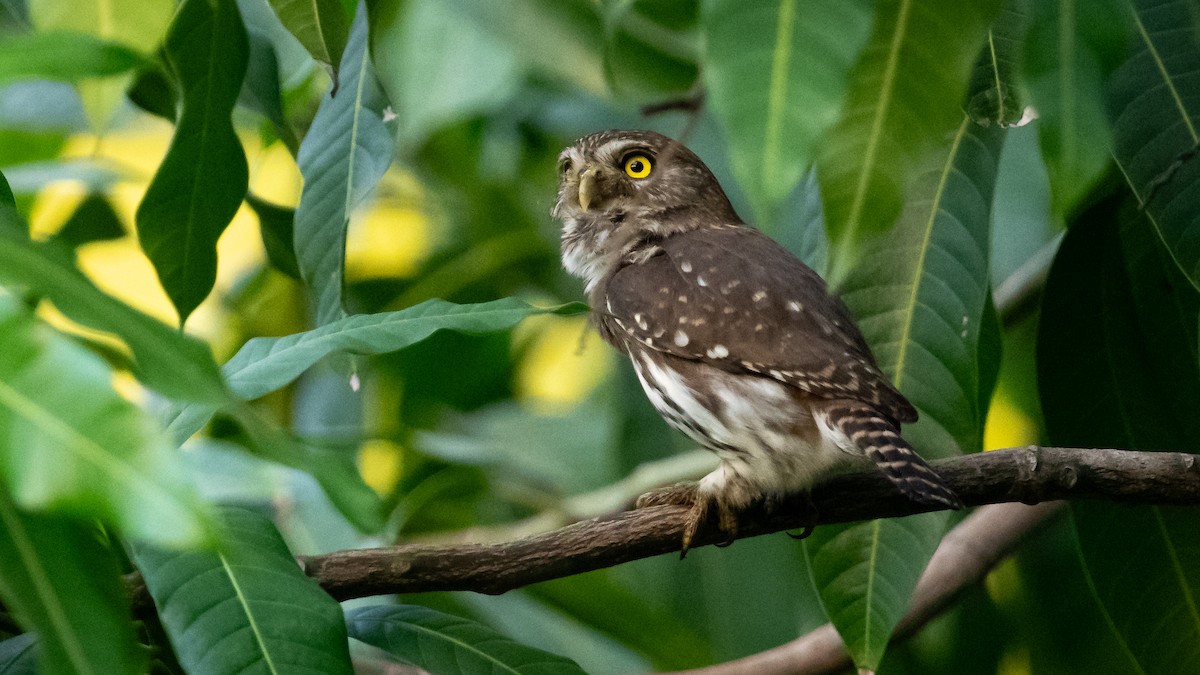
[879, 439]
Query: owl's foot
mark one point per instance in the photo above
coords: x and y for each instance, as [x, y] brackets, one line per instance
[810, 518]
[688, 494]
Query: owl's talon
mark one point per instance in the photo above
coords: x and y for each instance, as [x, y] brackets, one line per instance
[679, 494]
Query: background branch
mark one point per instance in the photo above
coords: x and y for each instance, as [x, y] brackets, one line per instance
[965, 556]
[1029, 475]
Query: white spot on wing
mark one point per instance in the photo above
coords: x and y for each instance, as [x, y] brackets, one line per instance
[685, 266]
[681, 338]
[701, 281]
[795, 306]
[718, 352]
[759, 296]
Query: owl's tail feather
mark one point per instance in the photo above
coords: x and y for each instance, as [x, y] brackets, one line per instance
[879, 439]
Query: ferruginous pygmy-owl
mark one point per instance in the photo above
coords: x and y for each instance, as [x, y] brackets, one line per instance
[736, 342]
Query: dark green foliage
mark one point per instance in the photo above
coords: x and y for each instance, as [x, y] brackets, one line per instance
[403, 361]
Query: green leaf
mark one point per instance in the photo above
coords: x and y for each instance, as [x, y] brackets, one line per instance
[18, 655]
[169, 361]
[776, 73]
[319, 25]
[93, 220]
[436, 66]
[63, 55]
[62, 582]
[441, 643]
[1154, 100]
[69, 442]
[652, 48]
[992, 93]
[1070, 49]
[275, 226]
[247, 608]
[6, 194]
[262, 92]
[905, 97]
[266, 364]
[202, 180]
[344, 154]
[920, 295]
[1118, 367]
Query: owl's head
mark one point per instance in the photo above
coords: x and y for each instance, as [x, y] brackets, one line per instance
[618, 190]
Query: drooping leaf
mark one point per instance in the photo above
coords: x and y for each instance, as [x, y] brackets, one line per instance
[442, 643]
[1070, 49]
[1118, 367]
[920, 294]
[18, 655]
[247, 608]
[169, 361]
[319, 25]
[1154, 101]
[437, 66]
[68, 442]
[342, 157]
[202, 180]
[992, 93]
[62, 55]
[62, 582]
[266, 364]
[776, 73]
[905, 96]
[93, 220]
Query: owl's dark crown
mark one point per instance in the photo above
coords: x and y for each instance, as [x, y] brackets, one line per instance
[620, 191]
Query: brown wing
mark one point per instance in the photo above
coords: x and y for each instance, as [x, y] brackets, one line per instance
[731, 297]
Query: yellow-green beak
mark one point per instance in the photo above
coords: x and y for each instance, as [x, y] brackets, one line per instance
[587, 188]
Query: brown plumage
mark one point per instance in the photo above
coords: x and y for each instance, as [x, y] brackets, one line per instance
[737, 343]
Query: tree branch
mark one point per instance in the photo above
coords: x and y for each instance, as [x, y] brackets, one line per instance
[1029, 475]
[965, 556]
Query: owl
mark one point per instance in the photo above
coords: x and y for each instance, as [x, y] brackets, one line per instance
[737, 343]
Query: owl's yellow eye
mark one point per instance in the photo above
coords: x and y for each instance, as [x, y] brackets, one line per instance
[637, 165]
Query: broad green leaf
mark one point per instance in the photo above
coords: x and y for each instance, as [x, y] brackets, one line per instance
[63, 55]
[342, 157]
[262, 91]
[905, 96]
[18, 655]
[202, 180]
[442, 643]
[920, 294]
[93, 220]
[437, 67]
[60, 581]
[776, 73]
[69, 442]
[1070, 49]
[992, 93]
[247, 608]
[168, 361]
[263, 365]
[1154, 101]
[1117, 367]
[137, 24]
[319, 25]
